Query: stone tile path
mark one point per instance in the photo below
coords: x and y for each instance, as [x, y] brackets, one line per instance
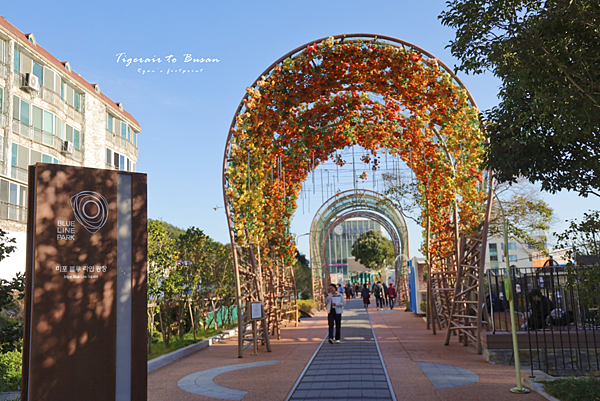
[446, 376]
[352, 370]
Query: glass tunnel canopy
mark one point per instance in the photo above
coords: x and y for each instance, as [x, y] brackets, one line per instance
[377, 92]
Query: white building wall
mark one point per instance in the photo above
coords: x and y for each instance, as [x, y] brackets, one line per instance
[92, 126]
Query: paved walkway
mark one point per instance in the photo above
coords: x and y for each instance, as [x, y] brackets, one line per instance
[419, 366]
[352, 370]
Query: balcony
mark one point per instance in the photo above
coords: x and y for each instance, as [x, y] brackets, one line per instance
[19, 173]
[121, 143]
[21, 128]
[42, 137]
[53, 98]
[13, 212]
[3, 70]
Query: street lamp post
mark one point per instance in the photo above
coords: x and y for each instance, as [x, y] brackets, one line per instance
[509, 296]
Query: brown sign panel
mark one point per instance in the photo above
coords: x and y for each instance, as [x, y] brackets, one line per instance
[70, 342]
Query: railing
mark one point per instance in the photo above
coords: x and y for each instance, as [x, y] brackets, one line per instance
[19, 173]
[3, 70]
[53, 98]
[22, 129]
[18, 78]
[562, 332]
[13, 212]
[42, 137]
[121, 142]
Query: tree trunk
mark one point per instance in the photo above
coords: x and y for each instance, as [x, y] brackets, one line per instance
[162, 328]
[192, 318]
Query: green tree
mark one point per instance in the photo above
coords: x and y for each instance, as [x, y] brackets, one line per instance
[583, 239]
[546, 54]
[373, 250]
[162, 260]
[302, 276]
[11, 330]
[528, 216]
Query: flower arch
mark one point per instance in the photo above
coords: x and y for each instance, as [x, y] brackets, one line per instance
[359, 89]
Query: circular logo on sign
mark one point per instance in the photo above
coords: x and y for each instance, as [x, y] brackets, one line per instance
[91, 210]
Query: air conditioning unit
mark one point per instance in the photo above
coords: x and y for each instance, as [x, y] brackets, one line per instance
[32, 82]
[68, 147]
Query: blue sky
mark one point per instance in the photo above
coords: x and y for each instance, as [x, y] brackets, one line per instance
[185, 117]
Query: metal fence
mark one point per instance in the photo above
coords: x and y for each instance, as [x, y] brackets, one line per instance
[561, 332]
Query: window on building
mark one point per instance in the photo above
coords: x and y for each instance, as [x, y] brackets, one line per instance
[511, 246]
[512, 258]
[59, 128]
[77, 100]
[122, 162]
[77, 139]
[123, 130]
[493, 252]
[116, 159]
[110, 125]
[2, 51]
[4, 191]
[17, 59]
[108, 156]
[25, 112]
[135, 138]
[37, 117]
[20, 161]
[1, 100]
[62, 89]
[21, 110]
[48, 79]
[38, 71]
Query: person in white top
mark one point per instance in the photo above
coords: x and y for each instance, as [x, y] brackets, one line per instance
[334, 302]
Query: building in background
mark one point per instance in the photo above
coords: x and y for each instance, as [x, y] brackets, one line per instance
[519, 253]
[339, 244]
[50, 114]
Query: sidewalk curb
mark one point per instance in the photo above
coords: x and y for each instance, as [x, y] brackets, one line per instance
[538, 387]
[171, 357]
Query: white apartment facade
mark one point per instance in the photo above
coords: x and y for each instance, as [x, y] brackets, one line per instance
[519, 254]
[50, 114]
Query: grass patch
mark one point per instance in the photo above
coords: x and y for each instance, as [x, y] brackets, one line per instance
[177, 343]
[574, 389]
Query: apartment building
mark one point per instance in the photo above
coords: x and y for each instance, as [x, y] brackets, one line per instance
[50, 114]
[519, 253]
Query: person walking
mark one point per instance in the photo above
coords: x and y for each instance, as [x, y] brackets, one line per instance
[366, 295]
[334, 302]
[391, 292]
[348, 292]
[378, 292]
[385, 294]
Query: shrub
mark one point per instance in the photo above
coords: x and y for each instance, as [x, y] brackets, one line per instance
[307, 306]
[10, 371]
[574, 389]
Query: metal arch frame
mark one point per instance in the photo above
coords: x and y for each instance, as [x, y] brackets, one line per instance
[353, 36]
[335, 209]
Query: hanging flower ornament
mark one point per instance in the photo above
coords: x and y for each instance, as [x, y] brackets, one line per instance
[345, 91]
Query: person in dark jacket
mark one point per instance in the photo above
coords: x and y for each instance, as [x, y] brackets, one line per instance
[391, 292]
[385, 294]
[366, 295]
[541, 307]
[378, 292]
